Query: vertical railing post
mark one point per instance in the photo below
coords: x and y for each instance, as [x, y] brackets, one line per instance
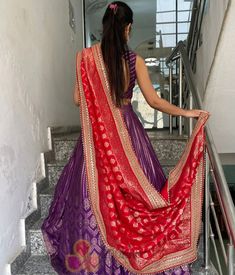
[207, 214]
[190, 107]
[180, 92]
[230, 258]
[170, 99]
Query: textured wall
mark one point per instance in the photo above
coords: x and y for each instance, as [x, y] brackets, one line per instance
[37, 73]
[211, 26]
[220, 92]
[215, 73]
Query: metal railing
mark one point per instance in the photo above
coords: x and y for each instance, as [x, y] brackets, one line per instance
[214, 170]
[193, 39]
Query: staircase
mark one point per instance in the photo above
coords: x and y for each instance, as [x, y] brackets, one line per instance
[33, 259]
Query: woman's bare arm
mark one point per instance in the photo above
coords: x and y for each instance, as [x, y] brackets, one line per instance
[152, 97]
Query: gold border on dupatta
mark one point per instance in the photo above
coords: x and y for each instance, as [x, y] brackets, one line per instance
[175, 172]
[169, 261]
[89, 153]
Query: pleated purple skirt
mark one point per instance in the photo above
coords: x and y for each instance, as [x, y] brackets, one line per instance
[70, 219]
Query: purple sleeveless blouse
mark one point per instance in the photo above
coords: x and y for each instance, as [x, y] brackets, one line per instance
[131, 61]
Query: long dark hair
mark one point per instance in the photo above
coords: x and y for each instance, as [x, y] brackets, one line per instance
[117, 16]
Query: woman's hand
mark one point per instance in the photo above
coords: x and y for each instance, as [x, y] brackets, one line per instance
[194, 113]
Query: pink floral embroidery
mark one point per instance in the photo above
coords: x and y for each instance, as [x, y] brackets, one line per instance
[83, 258]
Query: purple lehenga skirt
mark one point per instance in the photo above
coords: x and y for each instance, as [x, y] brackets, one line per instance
[70, 217]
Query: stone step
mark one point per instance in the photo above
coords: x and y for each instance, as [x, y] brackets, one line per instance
[45, 200]
[37, 265]
[198, 269]
[166, 146]
[167, 165]
[64, 144]
[55, 169]
[40, 265]
[35, 239]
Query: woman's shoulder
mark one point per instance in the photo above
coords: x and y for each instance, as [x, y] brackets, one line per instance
[130, 51]
[137, 59]
[130, 54]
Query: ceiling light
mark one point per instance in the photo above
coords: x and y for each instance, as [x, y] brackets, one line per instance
[151, 61]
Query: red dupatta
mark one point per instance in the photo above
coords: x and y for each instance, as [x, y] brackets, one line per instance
[145, 230]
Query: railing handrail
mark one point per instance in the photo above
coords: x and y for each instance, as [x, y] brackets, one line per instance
[221, 183]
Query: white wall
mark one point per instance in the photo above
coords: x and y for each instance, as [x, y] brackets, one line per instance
[37, 73]
[220, 92]
[215, 71]
[211, 27]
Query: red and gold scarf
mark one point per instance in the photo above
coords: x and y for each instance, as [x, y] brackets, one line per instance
[145, 230]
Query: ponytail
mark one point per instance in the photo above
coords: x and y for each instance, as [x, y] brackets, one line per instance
[114, 45]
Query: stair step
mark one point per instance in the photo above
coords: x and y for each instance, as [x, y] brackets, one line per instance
[37, 265]
[197, 268]
[45, 200]
[55, 169]
[35, 239]
[156, 134]
[168, 149]
[40, 265]
[166, 146]
[64, 144]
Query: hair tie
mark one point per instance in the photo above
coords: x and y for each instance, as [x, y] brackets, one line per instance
[113, 7]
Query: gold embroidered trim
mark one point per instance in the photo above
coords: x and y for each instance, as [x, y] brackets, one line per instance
[89, 154]
[175, 172]
[78, 60]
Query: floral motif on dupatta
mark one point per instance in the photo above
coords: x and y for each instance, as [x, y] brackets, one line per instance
[145, 230]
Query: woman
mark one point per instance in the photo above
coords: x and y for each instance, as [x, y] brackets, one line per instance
[114, 211]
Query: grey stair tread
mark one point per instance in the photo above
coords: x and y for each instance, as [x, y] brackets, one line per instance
[37, 225]
[37, 265]
[164, 134]
[153, 134]
[72, 136]
[198, 269]
[164, 144]
[48, 191]
[65, 130]
[57, 163]
[167, 162]
[40, 265]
